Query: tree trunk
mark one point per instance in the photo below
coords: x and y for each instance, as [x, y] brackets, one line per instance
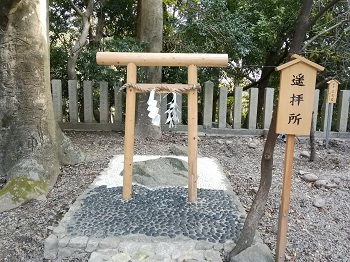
[149, 29]
[32, 146]
[77, 47]
[258, 206]
[301, 28]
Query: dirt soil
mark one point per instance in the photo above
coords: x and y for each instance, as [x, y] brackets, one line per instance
[314, 233]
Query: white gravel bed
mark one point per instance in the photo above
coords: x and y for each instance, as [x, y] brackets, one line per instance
[210, 176]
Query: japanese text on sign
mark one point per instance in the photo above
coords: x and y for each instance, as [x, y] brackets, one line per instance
[332, 91]
[296, 96]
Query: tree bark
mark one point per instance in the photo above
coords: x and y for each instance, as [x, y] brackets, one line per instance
[301, 28]
[32, 146]
[77, 47]
[258, 206]
[150, 30]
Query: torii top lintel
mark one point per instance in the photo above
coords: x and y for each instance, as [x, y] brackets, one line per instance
[161, 59]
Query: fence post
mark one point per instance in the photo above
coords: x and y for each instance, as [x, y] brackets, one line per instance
[73, 100]
[104, 106]
[88, 102]
[237, 113]
[56, 89]
[268, 106]
[208, 104]
[118, 105]
[324, 117]
[222, 107]
[253, 107]
[343, 110]
[316, 101]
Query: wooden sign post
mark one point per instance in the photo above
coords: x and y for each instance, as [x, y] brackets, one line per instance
[295, 104]
[132, 60]
[331, 99]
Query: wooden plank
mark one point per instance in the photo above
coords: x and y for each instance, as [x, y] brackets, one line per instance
[192, 135]
[129, 131]
[284, 208]
[295, 101]
[161, 59]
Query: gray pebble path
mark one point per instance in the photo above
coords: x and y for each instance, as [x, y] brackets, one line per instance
[154, 225]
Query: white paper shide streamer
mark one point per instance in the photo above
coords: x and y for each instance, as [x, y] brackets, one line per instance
[172, 112]
[153, 109]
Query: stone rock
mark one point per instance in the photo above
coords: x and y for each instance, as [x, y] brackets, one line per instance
[63, 242]
[255, 189]
[212, 256]
[253, 145]
[319, 202]
[122, 257]
[64, 253]
[99, 257]
[309, 177]
[163, 249]
[164, 171]
[321, 183]
[129, 247]
[331, 185]
[301, 172]
[191, 255]
[203, 245]
[305, 154]
[330, 151]
[220, 141]
[178, 150]
[138, 256]
[336, 180]
[255, 253]
[92, 244]
[51, 247]
[78, 242]
[109, 242]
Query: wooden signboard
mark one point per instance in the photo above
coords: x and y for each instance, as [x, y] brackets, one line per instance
[296, 96]
[295, 104]
[332, 91]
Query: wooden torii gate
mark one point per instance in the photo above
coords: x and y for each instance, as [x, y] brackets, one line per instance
[132, 60]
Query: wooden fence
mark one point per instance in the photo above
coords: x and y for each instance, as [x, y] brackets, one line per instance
[77, 112]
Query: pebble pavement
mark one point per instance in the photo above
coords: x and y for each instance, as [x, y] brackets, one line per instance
[156, 224]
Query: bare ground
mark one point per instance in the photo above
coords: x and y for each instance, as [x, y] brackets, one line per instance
[314, 233]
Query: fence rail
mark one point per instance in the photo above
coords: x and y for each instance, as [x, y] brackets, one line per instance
[77, 111]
